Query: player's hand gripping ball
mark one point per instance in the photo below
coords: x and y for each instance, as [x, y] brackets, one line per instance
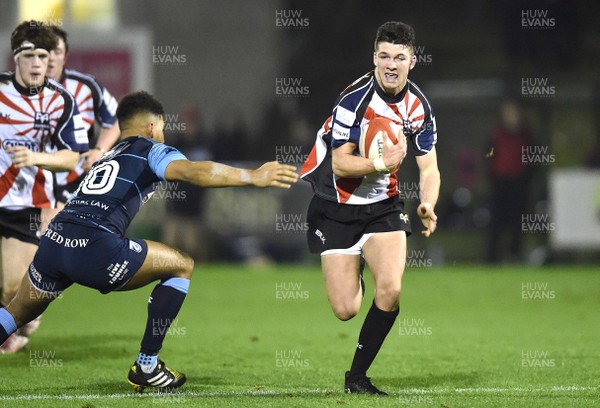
[373, 137]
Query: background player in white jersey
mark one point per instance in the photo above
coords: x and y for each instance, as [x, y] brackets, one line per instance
[85, 242]
[96, 106]
[355, 210]
[95, 103]
[41, 131]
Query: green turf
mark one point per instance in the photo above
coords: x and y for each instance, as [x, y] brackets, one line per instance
[466, 337]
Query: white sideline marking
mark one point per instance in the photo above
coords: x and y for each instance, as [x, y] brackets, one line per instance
[184, 394]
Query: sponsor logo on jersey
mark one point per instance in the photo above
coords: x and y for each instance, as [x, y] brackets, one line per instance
[41, 121]
[66, 242]
[29, 144]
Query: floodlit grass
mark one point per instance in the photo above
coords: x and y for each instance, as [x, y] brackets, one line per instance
[465, 337]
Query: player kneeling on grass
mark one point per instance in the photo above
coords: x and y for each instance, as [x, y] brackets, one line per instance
[85, 242]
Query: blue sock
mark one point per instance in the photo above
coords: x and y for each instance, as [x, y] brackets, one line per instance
[147, 361]
[164, 305]
[7, 325]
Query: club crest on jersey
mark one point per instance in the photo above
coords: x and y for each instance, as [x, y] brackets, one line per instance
[406, 128]
[134, 246]
[41, 121]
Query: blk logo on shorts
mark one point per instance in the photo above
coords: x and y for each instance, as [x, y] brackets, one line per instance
[319, 234]
[404, 218]
[41, 121]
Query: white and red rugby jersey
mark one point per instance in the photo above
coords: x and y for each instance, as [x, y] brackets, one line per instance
[362, 101]
[95, 104]
[44, 119]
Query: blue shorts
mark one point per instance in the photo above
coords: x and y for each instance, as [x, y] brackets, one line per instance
[72, 253]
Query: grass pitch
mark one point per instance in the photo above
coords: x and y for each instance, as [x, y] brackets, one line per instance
[465, 337]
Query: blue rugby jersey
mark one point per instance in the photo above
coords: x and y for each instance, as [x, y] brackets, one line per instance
[119, 184]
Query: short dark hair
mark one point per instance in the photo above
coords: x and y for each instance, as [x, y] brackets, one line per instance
[136, 103]
[60, 33]
[35, 32]
[395, 32]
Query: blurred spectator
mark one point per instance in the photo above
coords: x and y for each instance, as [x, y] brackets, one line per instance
[510, 180]
[185, 202]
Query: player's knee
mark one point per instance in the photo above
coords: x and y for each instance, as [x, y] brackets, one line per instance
[345, 311]
[388, 297]
[8, 293]
[186, 266]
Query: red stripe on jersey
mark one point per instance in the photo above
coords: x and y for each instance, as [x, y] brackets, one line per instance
[393, 185]
[346, 187]
[394, 107]
[414, 106]
[7, 180]
[72, 176]
[39, 198]
[24, 132]
[6, 101]
[6, 121]
[370, 114]
[59, 107]
[310, 163]
[41, 100]
[53, 98]
[29, 103]
[77, 89]
[86, 99]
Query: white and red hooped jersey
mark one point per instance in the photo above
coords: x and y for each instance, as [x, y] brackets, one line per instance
[362, 101]
[95, 104]
[44, 119]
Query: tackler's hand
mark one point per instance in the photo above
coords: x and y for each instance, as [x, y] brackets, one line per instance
[274, 174]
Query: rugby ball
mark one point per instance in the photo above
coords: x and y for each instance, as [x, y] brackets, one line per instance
[370, 145]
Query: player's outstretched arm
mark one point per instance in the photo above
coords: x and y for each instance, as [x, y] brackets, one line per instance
[213, 174]
[62, 160]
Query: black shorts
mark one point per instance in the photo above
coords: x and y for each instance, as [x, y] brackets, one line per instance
[72, 253]
[334, 226]
[21, 224]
